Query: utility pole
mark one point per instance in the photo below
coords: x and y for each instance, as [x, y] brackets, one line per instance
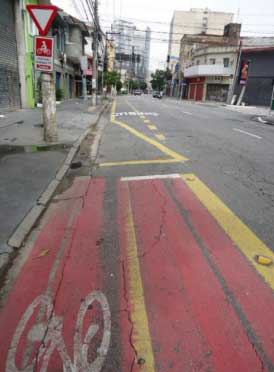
[49, 107]
[95, 54]
[236, 75]
[45, 46]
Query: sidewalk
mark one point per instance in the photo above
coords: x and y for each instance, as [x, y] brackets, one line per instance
[249, 110]
[24, 127]
[25, 170]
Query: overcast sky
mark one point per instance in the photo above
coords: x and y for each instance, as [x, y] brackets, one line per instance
[257, 16]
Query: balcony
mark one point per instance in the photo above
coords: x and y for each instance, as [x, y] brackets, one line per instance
[208, 70]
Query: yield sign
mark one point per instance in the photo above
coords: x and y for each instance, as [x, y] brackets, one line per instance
[42, 16]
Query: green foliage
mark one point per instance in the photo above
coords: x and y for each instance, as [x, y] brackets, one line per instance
[143, 85]
[59, 94]
[159, 79]
[134, 84]
[119, 85]
[111, 78]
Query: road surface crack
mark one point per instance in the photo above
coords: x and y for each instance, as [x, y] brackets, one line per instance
[160, 234]
[125, 295]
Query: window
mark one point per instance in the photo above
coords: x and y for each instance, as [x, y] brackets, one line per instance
[212, 61]
[226, 62]
[198, 62]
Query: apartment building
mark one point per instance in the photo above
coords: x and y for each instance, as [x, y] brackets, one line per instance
[132, 50]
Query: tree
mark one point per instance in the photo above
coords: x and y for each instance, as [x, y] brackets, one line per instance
[143, 85]
[159, 79]
[134, 84]
[111, 78]
[119, 85]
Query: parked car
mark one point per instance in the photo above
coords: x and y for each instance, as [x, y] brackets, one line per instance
[137, 92]
[157, 94]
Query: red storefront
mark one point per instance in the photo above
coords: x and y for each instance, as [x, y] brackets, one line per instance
[196, 88]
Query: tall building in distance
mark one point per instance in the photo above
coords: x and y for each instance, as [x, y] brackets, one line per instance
[195, 21]
[132, 50]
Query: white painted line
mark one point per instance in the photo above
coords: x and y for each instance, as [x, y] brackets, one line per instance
[146, 121]
[187, 113]
[248, 133]
[152, 177]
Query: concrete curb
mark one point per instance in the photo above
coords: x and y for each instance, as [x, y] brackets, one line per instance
[266, 120]
[22, 231]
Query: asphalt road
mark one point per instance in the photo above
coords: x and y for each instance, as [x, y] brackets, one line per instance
[219, 144]
[146, 257]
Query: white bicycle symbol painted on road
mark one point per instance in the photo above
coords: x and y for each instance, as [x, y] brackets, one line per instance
[49, 334]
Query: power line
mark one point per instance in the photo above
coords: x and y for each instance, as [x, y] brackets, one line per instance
[201, 28]
[165, 40]
[181, 34]
[189, 25]
[81, 1]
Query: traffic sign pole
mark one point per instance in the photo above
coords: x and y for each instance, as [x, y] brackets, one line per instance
[43, 16]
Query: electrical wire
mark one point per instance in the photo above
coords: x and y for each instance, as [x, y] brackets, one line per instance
[193, 26]
[200, 27]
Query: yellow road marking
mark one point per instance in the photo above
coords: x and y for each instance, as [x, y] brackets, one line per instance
[142, 116]
[141, 336]
[133, 107]
[174, 155]
[138, 162]
[249, 244]
[113, 108]
[146, 121]
[152, 127]
[160, 136]
[153, 142]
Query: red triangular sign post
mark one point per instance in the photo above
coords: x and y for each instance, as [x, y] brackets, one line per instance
[42, 16]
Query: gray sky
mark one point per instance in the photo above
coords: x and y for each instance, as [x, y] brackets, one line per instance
[257, 16]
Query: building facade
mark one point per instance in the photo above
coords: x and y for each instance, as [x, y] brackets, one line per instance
[259, 85]
[9, 68]
[209, 64]
[195, 21]
[132, 50]
[69, 34]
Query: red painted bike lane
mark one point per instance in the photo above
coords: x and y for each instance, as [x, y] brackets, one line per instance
[188, 299]
[56, 306]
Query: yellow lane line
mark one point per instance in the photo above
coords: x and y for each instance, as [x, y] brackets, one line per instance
[138, 162]
[246, 240]
[160, 136]
[113, 109]
[134, 109]
[152, 127]
[141, 336]
[149, 140]
[153, 142]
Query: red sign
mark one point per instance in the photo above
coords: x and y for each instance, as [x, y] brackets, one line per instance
[244, 72]
[42, 16]
[44, 51]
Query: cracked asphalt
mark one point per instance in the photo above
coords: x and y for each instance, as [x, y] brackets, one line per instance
[145, 258]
